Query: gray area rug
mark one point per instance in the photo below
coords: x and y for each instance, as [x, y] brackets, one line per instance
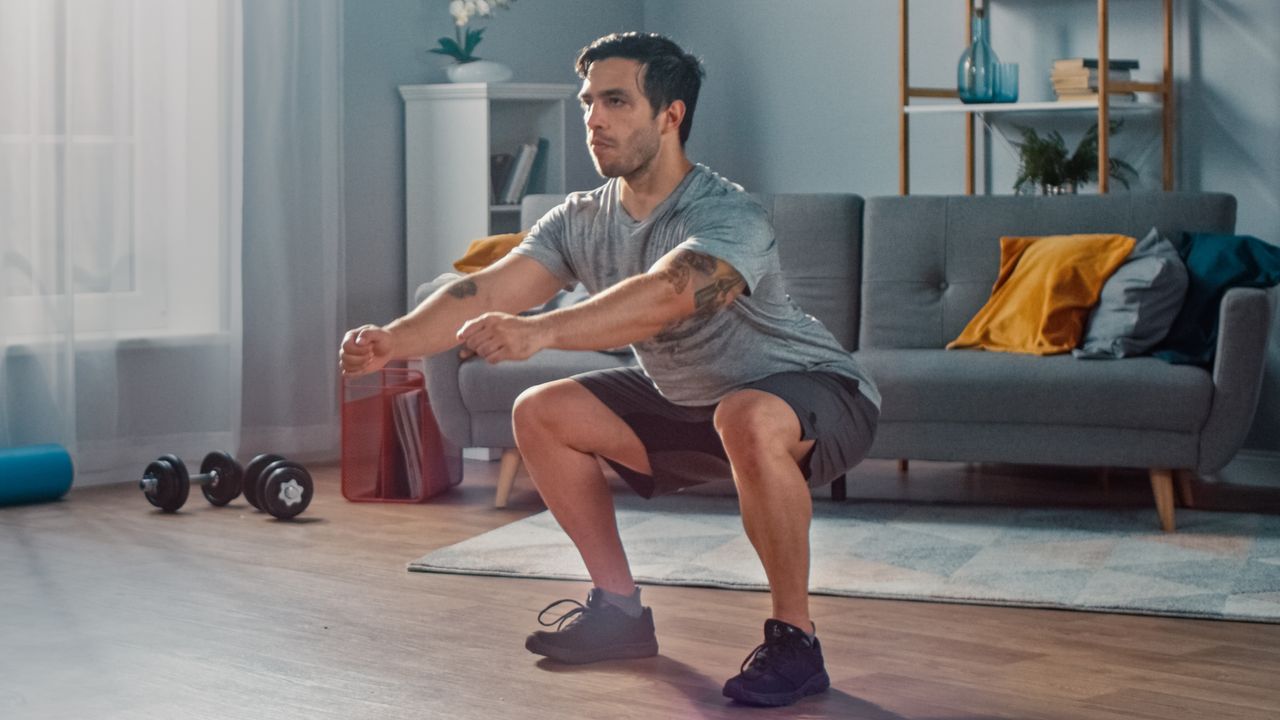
[1217, 565]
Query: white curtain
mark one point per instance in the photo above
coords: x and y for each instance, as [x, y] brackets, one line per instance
[120, 229]
[293, 227]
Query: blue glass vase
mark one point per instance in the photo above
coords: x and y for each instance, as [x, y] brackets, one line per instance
[975, 74]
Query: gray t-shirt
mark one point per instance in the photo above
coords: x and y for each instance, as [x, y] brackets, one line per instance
[592, 239]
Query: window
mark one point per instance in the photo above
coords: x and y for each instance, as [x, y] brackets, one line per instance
[114, 117]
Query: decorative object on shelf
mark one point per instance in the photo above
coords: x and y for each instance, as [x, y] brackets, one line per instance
[975, 74]
[468, 67]
[1006, 83]
[1045, 164]
[478, 71]
[1077, 78]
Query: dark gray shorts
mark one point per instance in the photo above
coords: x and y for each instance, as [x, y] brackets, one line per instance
[684, 448]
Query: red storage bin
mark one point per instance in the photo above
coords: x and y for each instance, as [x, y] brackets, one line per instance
[392, 449]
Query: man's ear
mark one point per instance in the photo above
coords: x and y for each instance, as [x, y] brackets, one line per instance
[673, 114]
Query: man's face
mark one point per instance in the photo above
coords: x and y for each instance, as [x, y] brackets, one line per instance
[623, 133]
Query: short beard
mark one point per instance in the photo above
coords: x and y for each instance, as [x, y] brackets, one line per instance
[621, 167]
[617, 169]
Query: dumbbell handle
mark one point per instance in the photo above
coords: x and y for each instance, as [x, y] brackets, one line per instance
[148, 483]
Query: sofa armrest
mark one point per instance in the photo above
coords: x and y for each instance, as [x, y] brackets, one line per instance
[1244, 319]
[442, 380]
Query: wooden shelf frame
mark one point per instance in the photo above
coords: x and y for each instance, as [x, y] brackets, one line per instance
[1106, 88]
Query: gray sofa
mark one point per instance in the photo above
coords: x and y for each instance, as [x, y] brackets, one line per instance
[896, 278]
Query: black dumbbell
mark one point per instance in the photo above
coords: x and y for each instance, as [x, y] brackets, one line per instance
[278, 486]
[166, 484]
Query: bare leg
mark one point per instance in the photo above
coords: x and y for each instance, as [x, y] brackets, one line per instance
[761, 436]
[560, 428]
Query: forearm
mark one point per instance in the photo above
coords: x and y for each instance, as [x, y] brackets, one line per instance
[432, 326]
[633, 310]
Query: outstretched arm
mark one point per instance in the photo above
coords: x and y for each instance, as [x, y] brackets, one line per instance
[513, 284]
[682, 287]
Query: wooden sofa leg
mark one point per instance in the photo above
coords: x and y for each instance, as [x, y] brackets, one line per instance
[840, 488]
[507, 476]
[1162, 488]
[1184, 478]
[902, 465]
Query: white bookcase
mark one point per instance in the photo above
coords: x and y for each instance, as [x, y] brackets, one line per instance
[450, 132]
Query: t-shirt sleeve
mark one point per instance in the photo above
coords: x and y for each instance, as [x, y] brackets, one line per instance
[733, 229]
[546, 243]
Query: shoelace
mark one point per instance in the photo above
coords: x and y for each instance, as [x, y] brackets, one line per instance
[762, 658]
[575, 612]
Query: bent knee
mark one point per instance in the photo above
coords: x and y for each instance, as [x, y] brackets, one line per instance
[560, 405]
[754, 418]
[541, 404]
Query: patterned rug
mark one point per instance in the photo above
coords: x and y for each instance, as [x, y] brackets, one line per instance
[1217, 565]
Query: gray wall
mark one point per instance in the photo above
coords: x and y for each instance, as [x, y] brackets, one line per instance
[804, 99]
[385, 44]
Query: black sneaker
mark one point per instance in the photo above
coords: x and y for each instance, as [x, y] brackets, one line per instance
[594, 632]
[784, 668]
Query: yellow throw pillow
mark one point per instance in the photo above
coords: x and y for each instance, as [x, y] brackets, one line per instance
[486, 251]
[1047, 285]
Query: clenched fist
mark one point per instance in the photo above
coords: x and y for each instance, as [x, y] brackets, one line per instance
[364, 350]
[497, 336]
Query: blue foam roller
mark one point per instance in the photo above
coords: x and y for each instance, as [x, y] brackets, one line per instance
[34, 473]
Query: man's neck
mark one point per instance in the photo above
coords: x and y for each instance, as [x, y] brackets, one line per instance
[646, 189]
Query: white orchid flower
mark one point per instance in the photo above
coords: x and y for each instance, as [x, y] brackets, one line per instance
[458, 10]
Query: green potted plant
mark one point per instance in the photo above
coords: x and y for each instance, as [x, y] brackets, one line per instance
[467, 66]
[1045, 163]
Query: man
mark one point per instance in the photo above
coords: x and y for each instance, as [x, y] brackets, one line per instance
[682, 266]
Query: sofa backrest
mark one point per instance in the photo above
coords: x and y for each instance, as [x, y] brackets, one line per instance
[819, 240]
[930, 261]
[819, 247]
[533, 207]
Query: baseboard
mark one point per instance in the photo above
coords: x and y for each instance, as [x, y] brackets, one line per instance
[306, 444]
[1253, 467]
[486, 454]
[103, 462]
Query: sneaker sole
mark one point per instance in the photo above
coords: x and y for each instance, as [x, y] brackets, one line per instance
[814, 685]
[628, 651]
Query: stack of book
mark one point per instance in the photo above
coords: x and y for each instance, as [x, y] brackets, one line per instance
[512, 176]
[406, 481]
[1077, 78]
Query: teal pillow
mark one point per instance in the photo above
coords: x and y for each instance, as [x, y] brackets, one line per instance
[1138, 303]
[1215, 264]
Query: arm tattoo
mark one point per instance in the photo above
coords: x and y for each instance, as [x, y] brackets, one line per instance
[462, 289]
[719, 293]
[683, 267]
[716, 284]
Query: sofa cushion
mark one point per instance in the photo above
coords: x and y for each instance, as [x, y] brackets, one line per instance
[820, 251]
[1215, 264]
[1138, 303]
[929, 262]
[1046, 287]
[975, 386]
[486, 387]
[488, 250]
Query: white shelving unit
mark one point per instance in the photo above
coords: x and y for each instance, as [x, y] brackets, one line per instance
[450, 132]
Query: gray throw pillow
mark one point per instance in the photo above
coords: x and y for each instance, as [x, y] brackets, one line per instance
[1138, 303]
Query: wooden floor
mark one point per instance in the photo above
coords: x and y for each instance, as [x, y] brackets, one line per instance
[110, 610]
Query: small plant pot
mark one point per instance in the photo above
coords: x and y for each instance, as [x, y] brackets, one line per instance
[1063, 189]
[478, 71]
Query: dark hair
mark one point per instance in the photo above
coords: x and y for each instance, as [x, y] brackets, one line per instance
[669, 73]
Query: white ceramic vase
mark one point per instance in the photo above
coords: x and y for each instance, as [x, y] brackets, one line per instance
[478, 71]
